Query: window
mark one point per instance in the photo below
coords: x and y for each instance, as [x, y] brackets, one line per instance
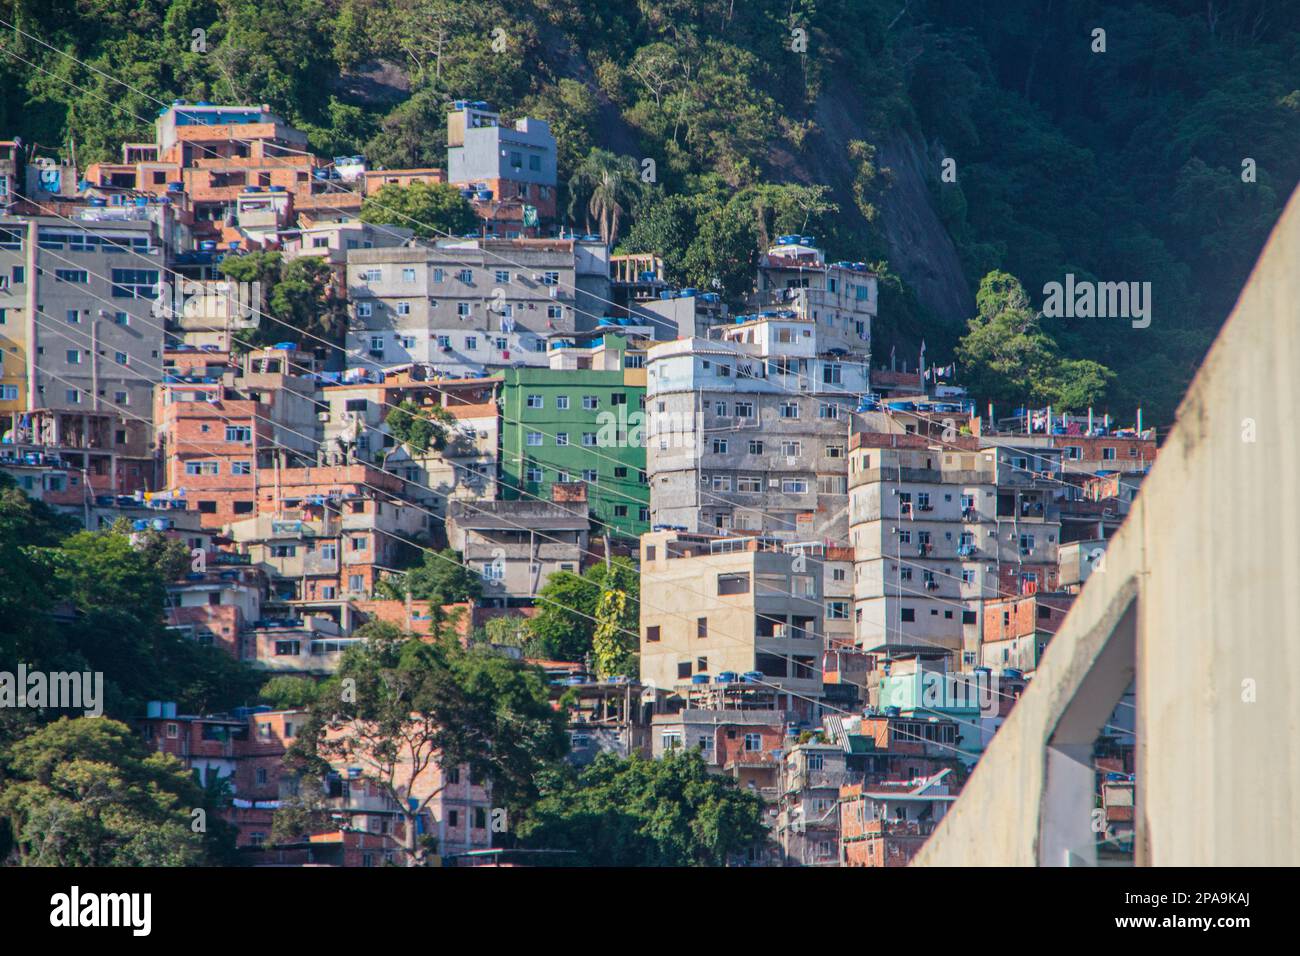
[533, 438]
[408, 275]
[720, 408]
[907, 615]
[202, 468]
[562, 402]
[73, 356]
[794, 486]
[744, 409]
[828, 410]
[719, 446]
[465, 275]
[239, 433]
[75, 275]
[753, 742]
[837, 610]
[534, 401]
[652, 633]
[134, 283]
[561, 438]
[832, 375]
[501, 275]
[590, 402]
[550, 278]
[589, 439]
[364, 310]
[403, 308]
[1108, 454]
[462, 309]
[789, 409]
[756, 448]
[533, 474]
[589, 474]
[791, 449]
[701, 627]
[733, 583]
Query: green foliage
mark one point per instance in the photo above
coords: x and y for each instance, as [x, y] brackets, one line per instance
[400, 706]
[299, 293]
[601, 186]
[420, 428]
[88, 792]
[431, 210]
[568, 603]
[1009, 358]
[289, 693]
[637, 812]
[93, 601]
[613, 647]
[440, 579]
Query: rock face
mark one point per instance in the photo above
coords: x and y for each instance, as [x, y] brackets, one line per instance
[920, 249]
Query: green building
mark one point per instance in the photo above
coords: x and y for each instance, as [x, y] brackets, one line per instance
[580, 420]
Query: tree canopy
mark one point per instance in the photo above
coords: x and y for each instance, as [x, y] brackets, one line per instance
[404, 711]
[88, 792]
[568, 607]
[430, 210]
[638, 812]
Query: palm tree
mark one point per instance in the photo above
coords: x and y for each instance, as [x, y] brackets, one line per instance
[605, 179]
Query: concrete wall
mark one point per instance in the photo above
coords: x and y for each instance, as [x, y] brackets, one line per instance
[1212, 612]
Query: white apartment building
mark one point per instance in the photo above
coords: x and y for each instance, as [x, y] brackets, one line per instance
[467, 306]
[749, 431]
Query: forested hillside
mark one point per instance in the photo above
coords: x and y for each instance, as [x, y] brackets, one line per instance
[831, 118]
